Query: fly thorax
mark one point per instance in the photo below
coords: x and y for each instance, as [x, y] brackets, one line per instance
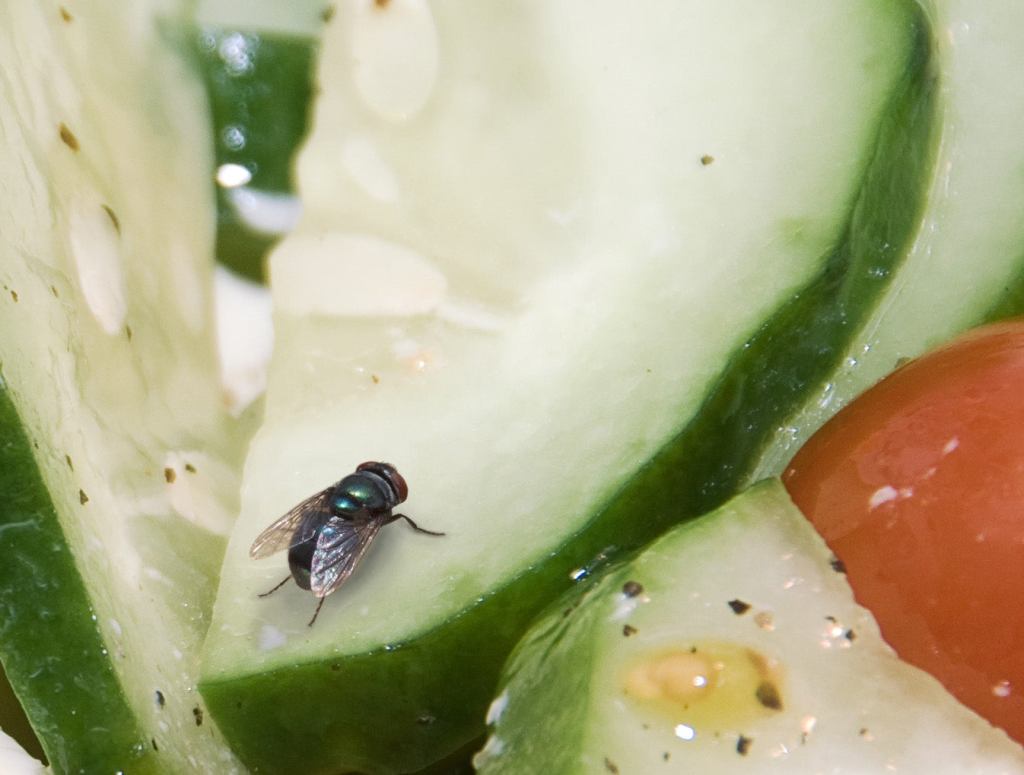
[346, 506]
[362, 494]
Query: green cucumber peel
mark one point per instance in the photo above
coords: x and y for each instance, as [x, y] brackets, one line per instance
[259, 87]
[58, 663]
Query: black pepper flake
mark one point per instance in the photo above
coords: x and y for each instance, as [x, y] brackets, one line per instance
[82, 497]
[190, 468]
[170, 475]
[160, 701]
[113, 217]
[611, 766]
[128, 332]
[152, 741]
[375, 378]
[743, 744]
[706, 159]
[632, 589]
[14, 295]
[850, 635]
[327, 14]
[54, 291]
[68, 137]
[66, 15]
[837, 565]
[198, 713]
[739, 607]
[629, 629]
[768, 695]
[666, 756]
[71, 465]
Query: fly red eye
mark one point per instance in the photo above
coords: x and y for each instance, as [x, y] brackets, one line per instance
[400, 486]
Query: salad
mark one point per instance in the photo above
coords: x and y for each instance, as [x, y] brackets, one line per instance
[582, 273]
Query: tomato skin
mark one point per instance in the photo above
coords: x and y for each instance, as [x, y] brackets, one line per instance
[918, 488]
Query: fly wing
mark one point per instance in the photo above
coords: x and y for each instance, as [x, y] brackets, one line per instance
[339, 548]
[281, 534]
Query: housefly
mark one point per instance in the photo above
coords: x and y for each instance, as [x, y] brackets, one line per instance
[328, 533]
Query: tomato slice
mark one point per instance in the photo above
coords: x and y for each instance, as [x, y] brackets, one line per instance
[918, 488]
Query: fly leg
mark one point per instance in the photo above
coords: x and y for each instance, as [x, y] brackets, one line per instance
[415, 527]
[316, 613]
[271, 591]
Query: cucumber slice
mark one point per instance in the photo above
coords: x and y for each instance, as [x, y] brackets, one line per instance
[118, 467]
[965, 264]
[729, 645]
[258, 85]
[519, 275]
[256, 60]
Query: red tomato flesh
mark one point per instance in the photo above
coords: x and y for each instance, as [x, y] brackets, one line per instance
[918, 488]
